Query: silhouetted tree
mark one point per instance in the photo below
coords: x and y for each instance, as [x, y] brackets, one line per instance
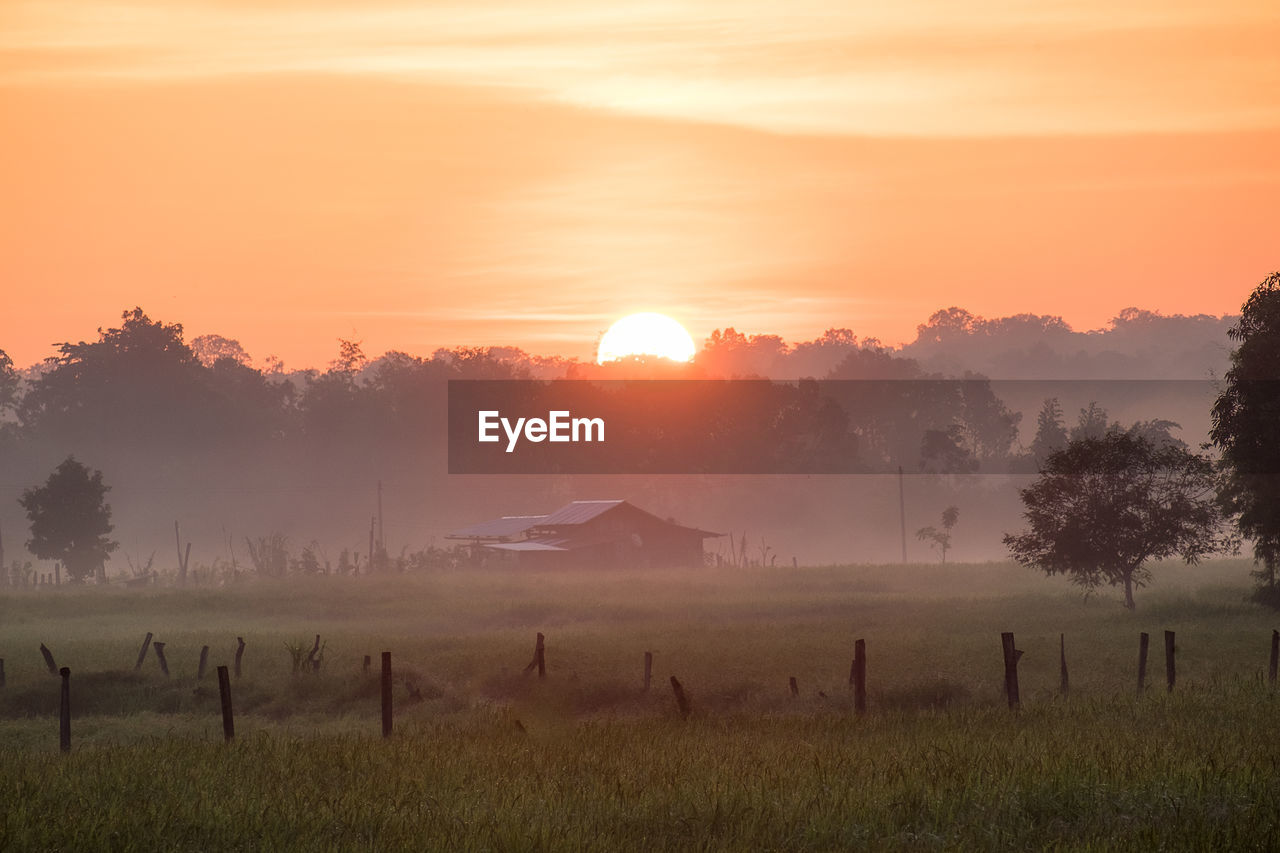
[1246, 426]
[8, 382]
[70, 520]
[1051, 433]
[1104, 507]
[941, 539]
[1092, 423]
[210, 349]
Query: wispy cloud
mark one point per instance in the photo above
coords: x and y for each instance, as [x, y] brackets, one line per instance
[990, 67]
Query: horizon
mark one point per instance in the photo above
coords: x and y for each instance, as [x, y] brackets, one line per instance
[263, 361]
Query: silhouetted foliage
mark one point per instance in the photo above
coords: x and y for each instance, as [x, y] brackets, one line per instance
[70, 520]
[1246, 427]
[210, 349]
[1051, 434]
[8, 382]
[1104, 507]
[941, 539]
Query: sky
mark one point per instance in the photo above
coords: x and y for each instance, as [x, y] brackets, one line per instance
[494, 172]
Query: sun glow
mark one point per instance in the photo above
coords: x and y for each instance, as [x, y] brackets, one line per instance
[646, 334]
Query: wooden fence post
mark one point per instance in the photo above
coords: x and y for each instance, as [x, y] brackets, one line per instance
[64, 722]
[164, 664]
[1, 672]
[682, 701]
[239, 654]
[204, 662]
[224, 693]
[1170, 671]
[648, 669]
[1271, 671]
[860, 676]
[1011, 656]
[1062, 651]
[386, 694]
[48, 659]
[539, 661]
[312, 660]
[795, 688]
[142, 653]
[1144, 640]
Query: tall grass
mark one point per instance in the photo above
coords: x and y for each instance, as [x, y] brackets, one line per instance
[594, 763]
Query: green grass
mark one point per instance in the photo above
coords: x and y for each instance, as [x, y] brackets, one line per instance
[938, 763]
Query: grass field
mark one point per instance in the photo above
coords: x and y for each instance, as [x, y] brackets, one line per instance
[938, 762]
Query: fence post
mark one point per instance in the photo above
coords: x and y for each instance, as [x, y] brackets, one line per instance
[142, 653]
[312, 661]
[1, 672]
[539, 661]
[1062, 651]
[1271, 673]
[224, 692]
[204, 662]
[64, 722]
[795, 688]
[48, 659]
[682, 701]
[386, 694]
[648, 669]
[860, 677]
[164, 664]
[239, 654]
[368, 662]
[1170, 671]
[1011, 656]
[1144, 640]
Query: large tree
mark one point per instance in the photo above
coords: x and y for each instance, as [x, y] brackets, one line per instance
[1103, 508]
[70, 520]
[1246, 427]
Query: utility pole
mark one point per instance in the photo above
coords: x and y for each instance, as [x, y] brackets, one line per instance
[382, 543]
[902, 513]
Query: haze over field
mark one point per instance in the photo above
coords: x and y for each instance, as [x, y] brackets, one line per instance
[825, 190]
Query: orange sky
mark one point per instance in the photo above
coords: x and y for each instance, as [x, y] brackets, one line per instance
[420, 174]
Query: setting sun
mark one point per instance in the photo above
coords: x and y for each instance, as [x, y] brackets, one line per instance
[646, 334]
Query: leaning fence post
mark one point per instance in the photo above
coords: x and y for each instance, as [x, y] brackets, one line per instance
[204, 662]
[682, 701]
[386, 694]
[794, 687]
[648, 669]
[539, 661]
[164, 664]
[239, 654]
[1011, 656]
[1062, 651]
[860, 676]
[142, 653]
[1144, 640]
[64, 722]
[1170, 671]
[1271, 672]
[48, 659]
